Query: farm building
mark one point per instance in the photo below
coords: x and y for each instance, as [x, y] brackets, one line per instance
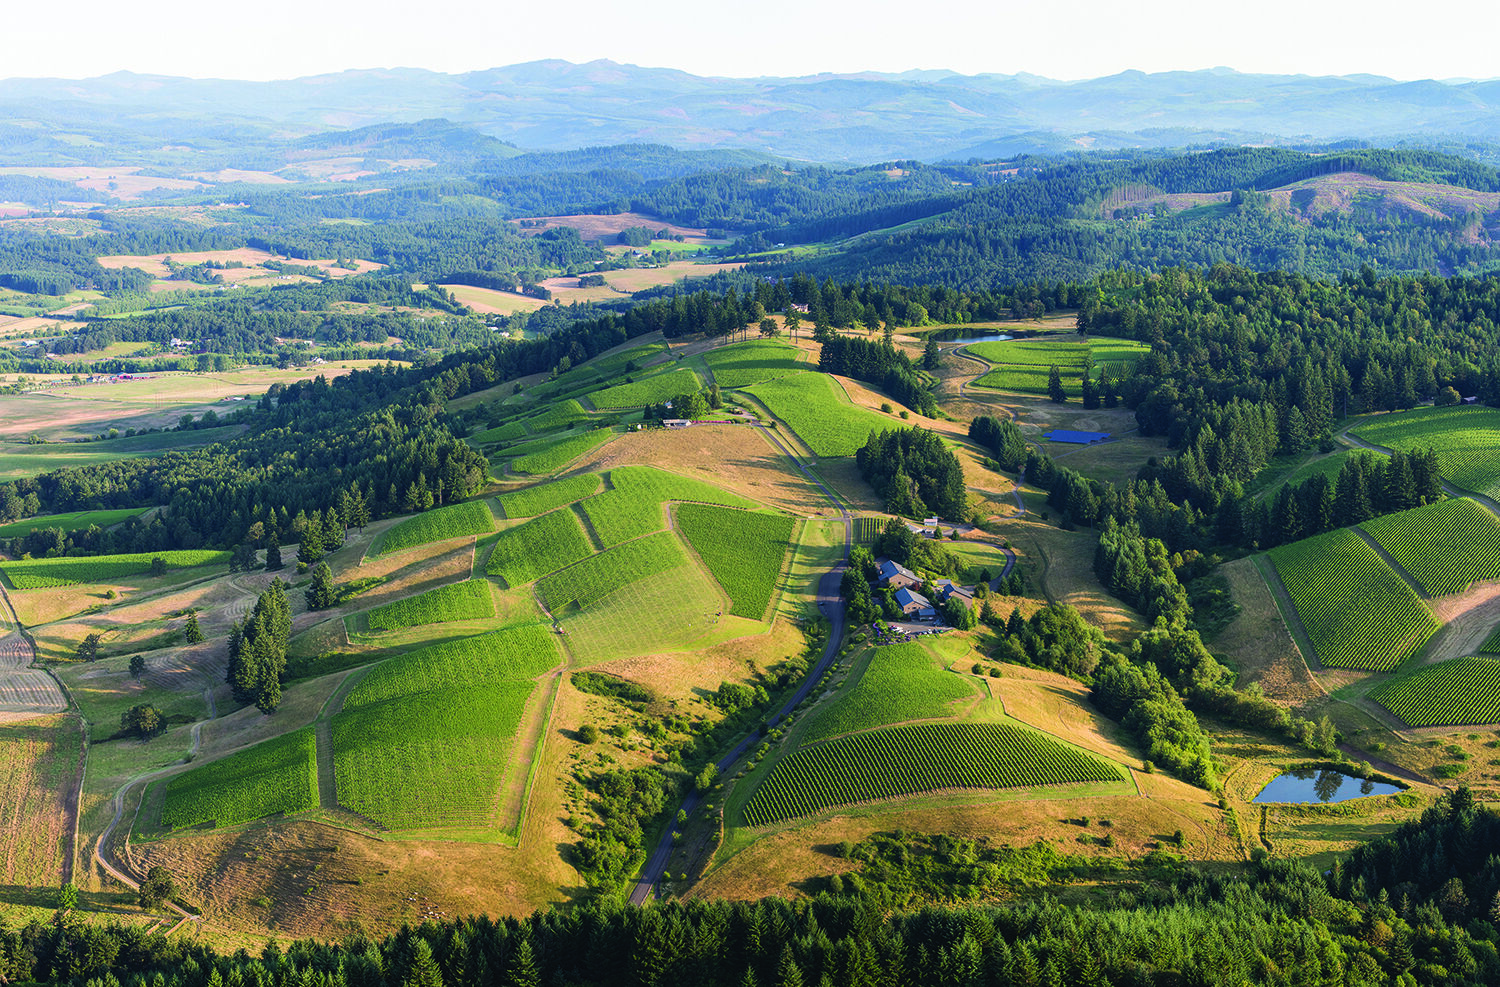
[895, 575]
[676, 422]
[914, 604]
[947, 588]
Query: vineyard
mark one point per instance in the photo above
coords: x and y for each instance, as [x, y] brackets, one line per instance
[1025, 366]
[547, 496]
[664, 611]
[537, 547]
[743, 550]
[76, 521]
[591, 580]
[749, 363]
[1491, 645]
[279, 775]
[42, 573]
[649, 390]
[511, 654]
[633, 505]
[551, 455]
[560, 415]
[902, 682]
[470, 600]
[1447, 546]
[919, 758]
[867, 529]
[816, 408]
[1357, 611]
[454, 521]
[1043, 353]
[1457, 692]
[1467, 440]
[509, 432]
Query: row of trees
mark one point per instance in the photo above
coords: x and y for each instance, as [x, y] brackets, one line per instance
[257, 649]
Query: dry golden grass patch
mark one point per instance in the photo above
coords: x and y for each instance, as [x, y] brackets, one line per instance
[1064, 567]
[690, 675]
[39, 772]
[1059, 705]
[1258, 642]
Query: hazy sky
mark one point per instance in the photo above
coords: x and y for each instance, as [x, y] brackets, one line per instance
[1065, 39]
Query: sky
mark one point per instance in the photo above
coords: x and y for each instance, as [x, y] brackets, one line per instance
[1061, 39]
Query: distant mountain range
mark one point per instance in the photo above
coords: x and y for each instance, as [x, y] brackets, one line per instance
[557, 105]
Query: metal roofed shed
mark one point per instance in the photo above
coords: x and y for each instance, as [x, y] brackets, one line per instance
[1076, 438]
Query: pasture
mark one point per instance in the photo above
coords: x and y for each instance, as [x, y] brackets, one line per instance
[469, 600]
[439, 524]
[531, 550]
[1457, 692]
[531, 501]
[816, 408]
[1466, 437]
[278, 775]
[743, 550]
[900, 682]
[1446, 547]
[39, 763]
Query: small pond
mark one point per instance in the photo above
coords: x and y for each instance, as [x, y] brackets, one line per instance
[966, 340]
[1315, 785]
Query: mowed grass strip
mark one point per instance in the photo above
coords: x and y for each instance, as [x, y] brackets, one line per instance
[420, 761]
[1457, 692]
[902, 682]
[743, 550]
[578, 587]
[76, 521]
[923, 757]
[548, 496]
[1466, 438]
[1447, 546]
[816, 408]
[551, 455]
[439, 524]
[649, 390]
[278, 775]
[633, 505]
[42, 573]
[545, 544]
[469, 600]
[511, 654]
[1357, 611]
[743, 364]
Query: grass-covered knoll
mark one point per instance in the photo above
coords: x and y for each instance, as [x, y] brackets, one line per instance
[902, 682]
[279, 775]
[560, 415]
[469, 600]
[539, 546]
[648, 390]
[743, 364]
[923, 757]
[419, 761]
[509, 432]
[75, 521]
[551, 455]
[633, 505]
[41, 573]
[546, 496]
[454, 521]
[511, 654]
[1467, 440]
[743, 550]
[577, 587]
[817, 409]
[1447, 546]
[1458, 692]
[1357, 611]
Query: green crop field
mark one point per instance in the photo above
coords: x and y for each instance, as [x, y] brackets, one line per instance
[1043, 353]
[867, 529]
[65, 571]
[547, 496]
[76, 521]
[560, 415]
[749, 363]
[665, 611]
[1467, 440]
[1447, 546]
[1491, 645]
[1027, 380]
[509, 432]
[19, 460]
[816, 408]
[537, 547]
[470, 600]
[902, 682]
[1357, 611]
[1457, 692]
[743, 550]
[454, 521]
[1116, 353]
[648, 390]
[923, 757]
[279, 775]
[551, 455]
[511, 654]
[1025, 365]
[605, 367]
[588, 582]
[633, 505]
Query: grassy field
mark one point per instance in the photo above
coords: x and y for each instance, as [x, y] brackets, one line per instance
[547, 496]
[1299, 468]
[42, 573]
[545, 544]
[648, 390]
[1357, 611]
[75, 521]
[1457, 692]
[1447, 546]
[439, 524]
[633, 505]
[551, 455]
[279, 775]
[1467, 440]
[743, 550]
[509, 432]
[1041, 353]
[927, 757]
[743, 364]
[38, 767]
[18, 459]
[470, 600]
[900, 682]
[820, 413]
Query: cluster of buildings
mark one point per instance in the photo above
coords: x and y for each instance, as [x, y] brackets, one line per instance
[908, 596]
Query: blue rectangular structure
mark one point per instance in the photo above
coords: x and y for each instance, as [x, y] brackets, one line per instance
[1076, 438]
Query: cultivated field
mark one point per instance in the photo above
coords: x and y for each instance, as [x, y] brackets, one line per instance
[753, 362]
[279, 775]
[454, 521]
[820, 413]
[539, 546]
[1460, 691]
[43, 573]
[550, 455]
[900, 683]
[1024, 365]
[1446, 547]
[1467, 440]
[648, 390]
[743, 550]
[469, 600]
[543, 497]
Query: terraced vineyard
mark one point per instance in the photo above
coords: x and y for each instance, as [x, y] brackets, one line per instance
[1467, 440]
[550, 455]
[454, 521]
[41, 573]
[560, 415]
[541, 545]
[1447, 546]
[548, 496]
[648, 390]
[1357, 611]
[510, 654]
[743, 550]
[469, 600]
[816, 408]
[509, 432]
[633, 505]
[743, 364]
[923, 757]
[596, 577]
[1457, 692]
[278, 775]
[902, 682]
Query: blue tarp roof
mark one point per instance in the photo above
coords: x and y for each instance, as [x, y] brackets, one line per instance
[1077, 438]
